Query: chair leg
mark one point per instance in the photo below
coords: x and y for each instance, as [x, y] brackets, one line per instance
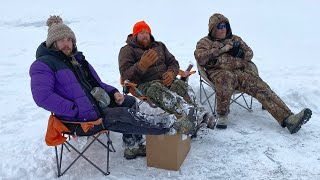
[66, 146]
[108, 153]
[215, 104]
[106, 146]
[109, 143]
[58, 162]
[251, 102]
[59, 158]
[200, 89]
[247, 106]
[208, 96]
[81, 155]
[109, 147]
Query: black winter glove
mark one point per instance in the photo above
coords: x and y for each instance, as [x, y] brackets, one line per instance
[236, 51]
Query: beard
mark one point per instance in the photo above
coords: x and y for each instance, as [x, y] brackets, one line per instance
[144, 42]
[218, 35]
[67, 51]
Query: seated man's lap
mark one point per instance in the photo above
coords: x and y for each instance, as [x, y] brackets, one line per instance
[129, 101]
[167, 98]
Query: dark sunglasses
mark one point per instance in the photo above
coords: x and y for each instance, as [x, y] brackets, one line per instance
[222, 26]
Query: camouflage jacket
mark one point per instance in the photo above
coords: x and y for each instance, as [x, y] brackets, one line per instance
[207, 51]
[130, 55]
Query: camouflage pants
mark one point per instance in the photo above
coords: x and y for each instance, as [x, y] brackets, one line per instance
[175, 99]
[171, 99]
[226, 82]
[132, 140]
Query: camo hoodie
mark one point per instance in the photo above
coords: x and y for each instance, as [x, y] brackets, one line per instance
[208, 54]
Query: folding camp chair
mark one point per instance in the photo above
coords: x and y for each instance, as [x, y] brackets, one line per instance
[66, 136]
[208, 94]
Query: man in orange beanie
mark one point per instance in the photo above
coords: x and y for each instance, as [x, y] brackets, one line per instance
[149, 64]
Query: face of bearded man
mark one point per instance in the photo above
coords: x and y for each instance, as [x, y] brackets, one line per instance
[143, 39]
[65, 45]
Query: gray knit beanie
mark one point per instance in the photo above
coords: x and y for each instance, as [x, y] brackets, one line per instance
[57, 30]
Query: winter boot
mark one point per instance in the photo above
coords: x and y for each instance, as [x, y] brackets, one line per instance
[132, 153]
[294, 122]
[210, 121]
[187, 123]
[201, 119]
[200, 114]
[222, 121]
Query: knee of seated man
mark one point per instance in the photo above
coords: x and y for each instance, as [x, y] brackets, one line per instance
[129, 101]
[225, 76]
[155, 89]
[157, 84]
[179, 86]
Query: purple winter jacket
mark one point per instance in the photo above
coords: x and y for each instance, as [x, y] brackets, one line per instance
[56, 87]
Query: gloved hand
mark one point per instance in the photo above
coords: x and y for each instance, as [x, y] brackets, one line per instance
[225, 48]
[119, 98]
[167, 78]
[148, 58]
[236, 50]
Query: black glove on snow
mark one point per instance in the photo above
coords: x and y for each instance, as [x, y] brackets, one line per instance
[236, 51]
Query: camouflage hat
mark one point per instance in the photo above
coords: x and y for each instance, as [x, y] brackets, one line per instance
[216, 19]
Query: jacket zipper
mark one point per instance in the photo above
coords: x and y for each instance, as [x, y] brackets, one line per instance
[95, 104]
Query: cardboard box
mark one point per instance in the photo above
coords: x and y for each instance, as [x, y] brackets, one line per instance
[167, 151]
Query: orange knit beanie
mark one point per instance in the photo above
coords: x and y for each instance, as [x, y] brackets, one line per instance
[139, 27]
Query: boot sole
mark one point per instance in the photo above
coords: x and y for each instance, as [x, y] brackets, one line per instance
[304, 119]
[219, 126]
[134, 156]
[130, 157]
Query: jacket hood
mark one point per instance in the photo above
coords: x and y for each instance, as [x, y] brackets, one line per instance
[215, 20]
[132, 41]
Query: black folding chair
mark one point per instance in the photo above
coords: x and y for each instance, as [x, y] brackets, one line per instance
[94, 138]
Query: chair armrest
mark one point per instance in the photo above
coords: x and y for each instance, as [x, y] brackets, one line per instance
[185, 74]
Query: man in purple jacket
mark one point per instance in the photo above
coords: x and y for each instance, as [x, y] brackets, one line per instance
[64, 83]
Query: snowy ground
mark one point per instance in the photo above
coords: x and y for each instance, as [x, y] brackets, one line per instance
[282, 34]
